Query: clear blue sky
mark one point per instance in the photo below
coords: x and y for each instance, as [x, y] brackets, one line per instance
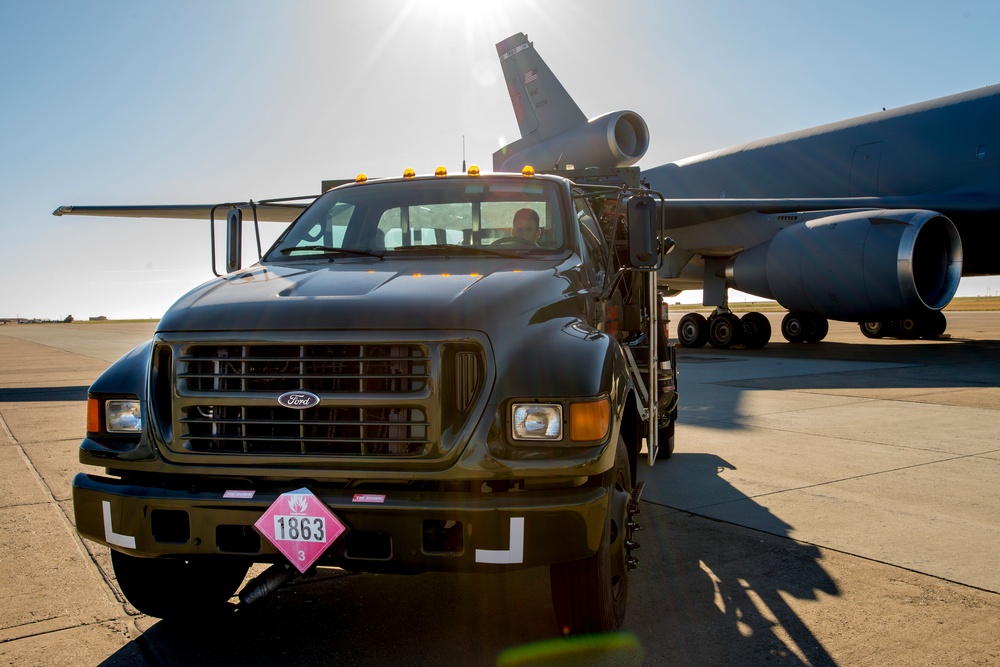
[202, 102]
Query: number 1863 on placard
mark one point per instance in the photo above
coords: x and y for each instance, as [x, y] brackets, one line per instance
[299, 528]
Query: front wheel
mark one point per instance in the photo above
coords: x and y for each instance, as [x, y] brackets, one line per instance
[172, 588]
[589, 595]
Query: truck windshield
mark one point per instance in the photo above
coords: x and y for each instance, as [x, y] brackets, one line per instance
[497, 215]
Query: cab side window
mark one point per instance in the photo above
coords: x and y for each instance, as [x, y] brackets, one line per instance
[593, 249]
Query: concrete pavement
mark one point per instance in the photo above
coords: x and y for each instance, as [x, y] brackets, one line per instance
[827, 504]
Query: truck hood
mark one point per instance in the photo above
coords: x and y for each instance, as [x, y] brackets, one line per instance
[378, 295]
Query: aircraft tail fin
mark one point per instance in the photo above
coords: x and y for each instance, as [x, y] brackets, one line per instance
[542, 106]
[554, 131]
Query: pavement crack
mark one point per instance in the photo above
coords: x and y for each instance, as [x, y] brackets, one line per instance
[6, 430]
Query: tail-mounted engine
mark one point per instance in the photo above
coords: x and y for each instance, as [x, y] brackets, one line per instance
[617, 139]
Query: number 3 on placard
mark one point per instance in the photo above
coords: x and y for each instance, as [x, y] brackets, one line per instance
[302, 555]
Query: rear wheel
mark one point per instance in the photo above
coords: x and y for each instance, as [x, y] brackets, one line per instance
[665, 437]
[589, 595]
[172, 588]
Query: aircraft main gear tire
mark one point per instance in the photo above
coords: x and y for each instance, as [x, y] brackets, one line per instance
[819, 329]
[725, 330]
[756, 330]
[589, 595]
[908, 327]
[804, 328]
[692, 331]
[795, 327]
[933, 325]
[872, 329]
[172, 588]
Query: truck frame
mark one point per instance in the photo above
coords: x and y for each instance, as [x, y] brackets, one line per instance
[458, 398]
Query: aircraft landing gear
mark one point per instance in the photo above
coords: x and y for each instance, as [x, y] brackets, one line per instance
[804, 328]
[693, 330]
[724, 330]
[925, 325]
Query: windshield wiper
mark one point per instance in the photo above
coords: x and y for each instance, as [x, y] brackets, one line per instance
[329, 250]
[460, 249]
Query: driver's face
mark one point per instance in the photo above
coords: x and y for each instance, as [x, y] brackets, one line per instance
[526, 229]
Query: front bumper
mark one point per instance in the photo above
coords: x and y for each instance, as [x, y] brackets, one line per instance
[393, 531]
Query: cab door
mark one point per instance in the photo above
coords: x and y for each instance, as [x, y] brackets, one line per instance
[605, 315]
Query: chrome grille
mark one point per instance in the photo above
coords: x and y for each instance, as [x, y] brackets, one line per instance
[376, 399]
[322, 430]
[317, 368]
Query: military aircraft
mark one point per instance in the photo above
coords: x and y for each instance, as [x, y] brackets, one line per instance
[871, 220]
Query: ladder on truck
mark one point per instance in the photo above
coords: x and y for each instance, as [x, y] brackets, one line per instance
[650, 356]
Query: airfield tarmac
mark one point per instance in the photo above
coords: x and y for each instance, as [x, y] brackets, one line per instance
[827, 504]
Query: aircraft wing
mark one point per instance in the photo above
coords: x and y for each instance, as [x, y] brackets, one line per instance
[685, 212]
[267, 211]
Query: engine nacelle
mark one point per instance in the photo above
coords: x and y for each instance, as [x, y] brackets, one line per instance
[617, 139]
[857, 266]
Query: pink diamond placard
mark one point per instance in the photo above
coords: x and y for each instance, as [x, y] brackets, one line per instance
[300, 526]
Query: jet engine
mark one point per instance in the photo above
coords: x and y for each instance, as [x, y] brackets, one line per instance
[856, 266]
[617, 139]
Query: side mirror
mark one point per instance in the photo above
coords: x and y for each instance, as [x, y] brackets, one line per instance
[234, 240]
[643, 227]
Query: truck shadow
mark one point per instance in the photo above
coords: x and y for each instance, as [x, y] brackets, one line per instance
[705, 593]
[720, 591]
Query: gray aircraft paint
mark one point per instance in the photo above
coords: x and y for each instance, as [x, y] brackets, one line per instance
[939, 158]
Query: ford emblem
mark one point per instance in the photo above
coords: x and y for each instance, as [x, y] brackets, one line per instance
[298, 400]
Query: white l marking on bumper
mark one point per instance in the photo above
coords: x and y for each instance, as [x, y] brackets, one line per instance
[513, 555]
[110, 535]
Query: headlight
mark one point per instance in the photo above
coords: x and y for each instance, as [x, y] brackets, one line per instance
[537, 421]
[123, 416]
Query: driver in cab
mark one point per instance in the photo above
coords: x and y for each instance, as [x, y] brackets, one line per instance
[526, 226]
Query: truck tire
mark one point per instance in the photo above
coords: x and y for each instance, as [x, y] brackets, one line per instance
[589, 595]
[666, 437]
[173, 588]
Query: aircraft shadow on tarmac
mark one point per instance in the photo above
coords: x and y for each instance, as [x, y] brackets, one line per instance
[705, 592]
[42, 394]
[713, 383]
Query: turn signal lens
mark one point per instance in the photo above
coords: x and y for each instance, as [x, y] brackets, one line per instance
[589, 421]
[93, 415]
